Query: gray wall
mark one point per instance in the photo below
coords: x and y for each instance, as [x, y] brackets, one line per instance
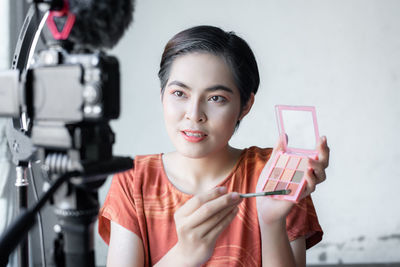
[341, 56]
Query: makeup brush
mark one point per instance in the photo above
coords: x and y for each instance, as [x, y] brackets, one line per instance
[270, 193]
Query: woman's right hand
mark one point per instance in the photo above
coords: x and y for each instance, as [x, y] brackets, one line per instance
[200, 221]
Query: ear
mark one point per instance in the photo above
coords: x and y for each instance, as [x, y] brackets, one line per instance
[247, 107]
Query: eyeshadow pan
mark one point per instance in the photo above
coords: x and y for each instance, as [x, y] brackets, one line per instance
[293, 189]
[282, 161]
[287, 175]
[298, 175]
[270, 185]
[303, 164]
[276, 173]
[293, 161]
[281, 186]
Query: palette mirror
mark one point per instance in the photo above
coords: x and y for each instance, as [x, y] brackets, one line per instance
[300, 126]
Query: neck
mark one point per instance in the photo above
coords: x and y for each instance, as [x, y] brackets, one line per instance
[195, 175]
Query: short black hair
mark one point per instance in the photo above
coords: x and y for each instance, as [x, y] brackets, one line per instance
[233, 49]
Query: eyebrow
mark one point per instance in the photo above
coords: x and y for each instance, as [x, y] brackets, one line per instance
[210, 89]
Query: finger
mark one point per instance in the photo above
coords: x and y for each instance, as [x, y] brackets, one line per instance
[318, 169]
[212, 207]
[280, 144]
[197, 201]
[209, 224]
[222, 224]
[323, 151]
[310, 183]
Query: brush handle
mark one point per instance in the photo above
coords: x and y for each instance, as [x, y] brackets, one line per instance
[270, 193]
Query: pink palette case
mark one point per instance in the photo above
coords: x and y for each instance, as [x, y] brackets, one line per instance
[289, 166]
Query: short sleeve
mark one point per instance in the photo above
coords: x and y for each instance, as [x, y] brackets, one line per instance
[119, 206]
[303, 221]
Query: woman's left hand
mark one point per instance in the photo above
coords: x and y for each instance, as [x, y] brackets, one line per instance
[271, 210]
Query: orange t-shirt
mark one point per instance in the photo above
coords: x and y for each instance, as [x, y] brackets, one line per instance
[144, 201]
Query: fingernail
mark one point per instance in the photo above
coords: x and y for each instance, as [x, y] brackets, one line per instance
[235, 196]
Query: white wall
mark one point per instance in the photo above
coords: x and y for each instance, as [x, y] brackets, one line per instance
[341, 56]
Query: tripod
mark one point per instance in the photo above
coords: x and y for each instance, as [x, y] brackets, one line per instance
[77, 208]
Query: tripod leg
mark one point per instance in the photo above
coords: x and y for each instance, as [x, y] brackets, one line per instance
[22, 204]
[77, 214]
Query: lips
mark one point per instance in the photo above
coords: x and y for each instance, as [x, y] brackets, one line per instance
[193, 136]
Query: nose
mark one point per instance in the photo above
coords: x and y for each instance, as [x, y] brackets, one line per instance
[195, 112]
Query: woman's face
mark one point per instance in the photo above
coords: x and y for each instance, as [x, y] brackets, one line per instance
[201, 104]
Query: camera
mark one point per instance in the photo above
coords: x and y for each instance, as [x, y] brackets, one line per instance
[69, 98]
[62, 88]
[73, 88]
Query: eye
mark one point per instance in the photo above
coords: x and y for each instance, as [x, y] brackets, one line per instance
[217, 99]
[178, 93]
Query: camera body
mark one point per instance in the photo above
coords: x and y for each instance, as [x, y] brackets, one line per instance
[62, 86]
[69, 99]
[73, 88]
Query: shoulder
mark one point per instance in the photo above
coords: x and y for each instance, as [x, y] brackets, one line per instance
[252, 161]
[147, 161]
[143, 165]
[257, 154]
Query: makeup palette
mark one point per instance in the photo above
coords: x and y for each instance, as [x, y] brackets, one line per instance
[289, 166]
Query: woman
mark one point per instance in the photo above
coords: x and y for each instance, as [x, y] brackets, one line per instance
[183, 208]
